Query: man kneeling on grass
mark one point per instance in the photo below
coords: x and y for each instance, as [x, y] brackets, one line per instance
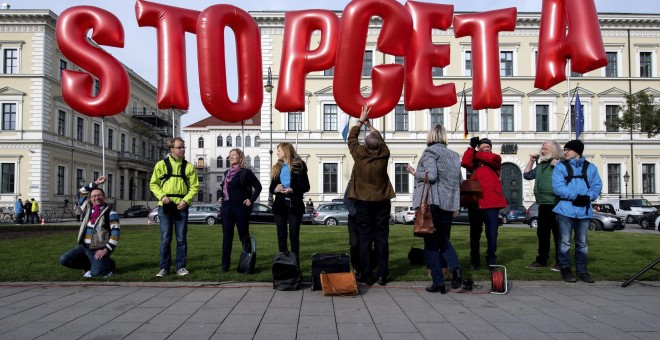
[98, 234]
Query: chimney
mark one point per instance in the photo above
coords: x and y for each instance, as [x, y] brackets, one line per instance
[5, 5]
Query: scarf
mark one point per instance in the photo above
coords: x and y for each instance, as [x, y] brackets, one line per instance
[233, 170]
[96, 212]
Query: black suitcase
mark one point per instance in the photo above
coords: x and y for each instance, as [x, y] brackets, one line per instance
[329, 263]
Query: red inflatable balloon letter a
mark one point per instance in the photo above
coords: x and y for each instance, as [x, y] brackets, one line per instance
[71, 34]
[583, 43]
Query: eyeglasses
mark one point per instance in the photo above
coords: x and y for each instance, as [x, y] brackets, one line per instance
[179, 147]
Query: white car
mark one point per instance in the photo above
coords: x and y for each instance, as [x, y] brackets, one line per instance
[657, 223]
[405, 215]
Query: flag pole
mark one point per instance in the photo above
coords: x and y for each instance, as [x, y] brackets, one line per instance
[460, 105]
[570, 97]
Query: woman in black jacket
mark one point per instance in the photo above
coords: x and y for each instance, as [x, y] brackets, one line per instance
[238, 191]
[288, 183]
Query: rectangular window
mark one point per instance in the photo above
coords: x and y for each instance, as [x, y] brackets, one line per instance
[8, 116]
[506, 64]
[330, 115]
[144, 149]
[367, 63]
[144, 110]
[329, 178]
[573, 116]
[95, 176]
[398, 60]
[542, 118]
[80, 181]
[645, 65]
[97, 87]
[111, 138]
[648, 178]
[437, 72]
[611, 113]
[63, 66]
[110, 185]
[133, 145]
[7, 181]
[122, 142]
[400, 118]
[61, 122]
[473, 119]
[10, 59]
[80, 128]
[97, 134]
[121, 187]
[468, 63]
[135, 107]
[153, 151]
[610, 69]
[614, 178]
[507, 118]
[294, 121]
[60, 180]
[437, 116]
[329, 72]
[401, 177]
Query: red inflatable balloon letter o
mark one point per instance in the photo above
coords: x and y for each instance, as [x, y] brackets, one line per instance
[71, 34]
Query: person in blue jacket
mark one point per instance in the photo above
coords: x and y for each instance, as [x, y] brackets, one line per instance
[575, 189]
[18, 210]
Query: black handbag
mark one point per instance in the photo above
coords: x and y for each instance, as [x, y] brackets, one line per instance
[248, 259]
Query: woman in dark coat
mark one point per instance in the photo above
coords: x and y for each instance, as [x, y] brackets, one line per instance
[288, 183]
[239, 190]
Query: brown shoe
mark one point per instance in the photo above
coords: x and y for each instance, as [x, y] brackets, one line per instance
[535, 265]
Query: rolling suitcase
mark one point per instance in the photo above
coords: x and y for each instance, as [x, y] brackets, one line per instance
[329, 263]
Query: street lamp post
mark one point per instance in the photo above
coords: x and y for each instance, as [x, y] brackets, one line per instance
[626, 178]
[269, 88]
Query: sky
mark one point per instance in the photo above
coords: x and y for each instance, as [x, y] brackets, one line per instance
[140, 47]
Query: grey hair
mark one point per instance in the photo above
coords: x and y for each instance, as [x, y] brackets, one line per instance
[555, 149]
[372, 140]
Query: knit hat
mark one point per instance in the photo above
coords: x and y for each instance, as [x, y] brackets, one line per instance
[485, 141]
[575, 145]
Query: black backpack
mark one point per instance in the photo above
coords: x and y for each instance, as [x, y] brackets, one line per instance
[571, 175]
[169, 174]
[286, 273]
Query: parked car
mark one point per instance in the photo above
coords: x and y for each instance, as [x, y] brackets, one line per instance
[513, 213]
[137, 211]
[153, 215]
[307, 217]
[463, 217]
[599, 220]
[261, 213]
[405, 215]
[330, 214]
[631, 209]
[206, 213]
[647, 221]
[604, 208]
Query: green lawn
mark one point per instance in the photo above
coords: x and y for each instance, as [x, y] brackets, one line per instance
[30, 257]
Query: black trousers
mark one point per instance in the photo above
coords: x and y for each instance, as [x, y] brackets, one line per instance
[233, 216]
[547, 224]
[354, 244]
[288, 224]
[373, 220]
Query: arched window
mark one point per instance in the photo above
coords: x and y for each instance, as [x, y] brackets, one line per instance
[256, 141]
[257, 162]
[229, 141]
[248, 142]
[200, 142]
[218, 162]
[200, 196]
[228, 163]
[200, 162]
[248, 162]
[238, 141]
[219, 142]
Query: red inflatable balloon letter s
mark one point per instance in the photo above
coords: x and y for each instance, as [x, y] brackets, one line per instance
[212, 67]
[387, 79]
[71, 34]
[298, 60]
[171, 23]
[483, 28]
[583, 43]
[424, 55]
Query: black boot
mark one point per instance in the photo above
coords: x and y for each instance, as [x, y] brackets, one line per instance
[436, 288]
[457, 278]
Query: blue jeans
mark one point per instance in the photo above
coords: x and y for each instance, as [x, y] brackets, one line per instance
[437, 248]
[580, 227]
[479, 217]
[179, 220]
[81, 257]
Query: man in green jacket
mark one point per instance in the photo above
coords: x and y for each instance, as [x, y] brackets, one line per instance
[174, 182]
[546, 160]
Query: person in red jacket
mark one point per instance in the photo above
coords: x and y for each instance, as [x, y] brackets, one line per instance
[485, 167]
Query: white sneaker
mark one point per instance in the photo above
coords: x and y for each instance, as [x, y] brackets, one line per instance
[87, 274]
[182, 272]
[162, 273]
[107, 276]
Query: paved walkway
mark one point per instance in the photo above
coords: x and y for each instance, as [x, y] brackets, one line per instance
[531, 310]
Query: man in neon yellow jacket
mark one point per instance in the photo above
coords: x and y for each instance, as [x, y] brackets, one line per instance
[34, 212]
[174, 182]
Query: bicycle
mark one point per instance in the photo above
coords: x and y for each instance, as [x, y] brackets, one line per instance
[8, 214]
